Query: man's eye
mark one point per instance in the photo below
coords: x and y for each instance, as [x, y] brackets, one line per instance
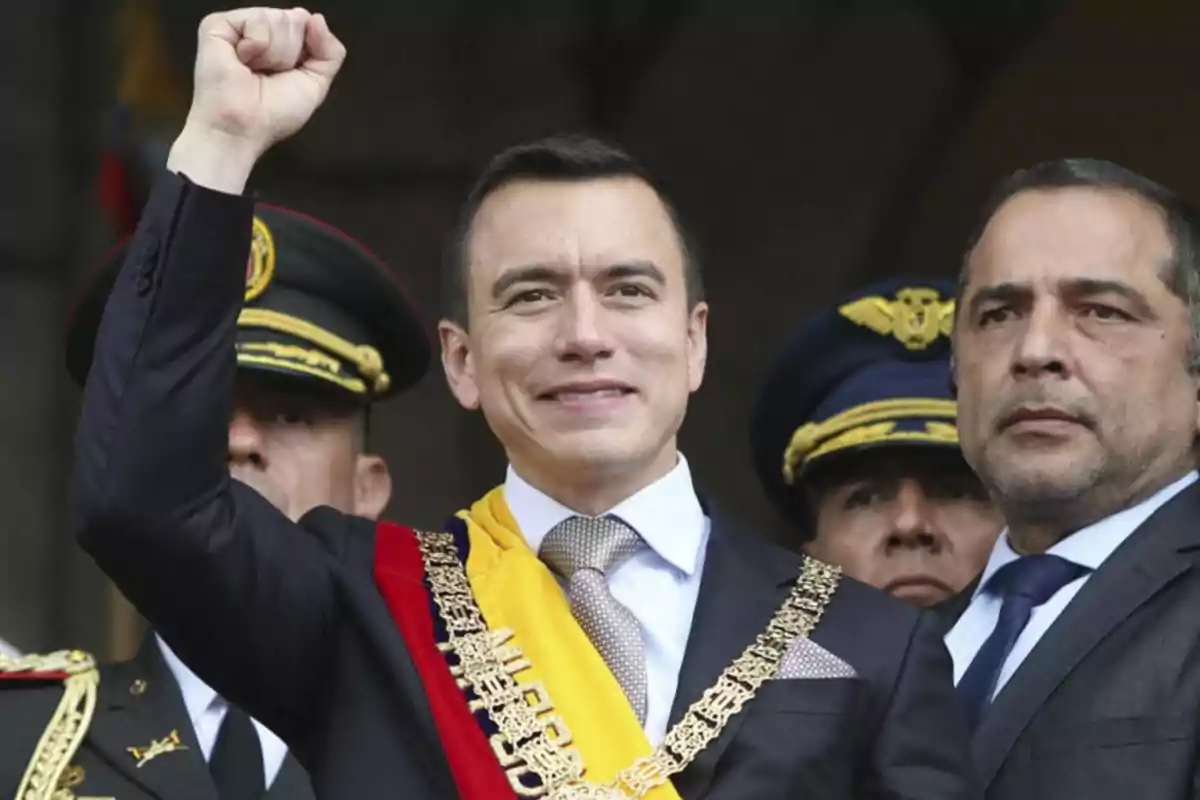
[965, 489]
[631, 290]
[1105, 312]
[992, 316]
[863, 496]
[294, 417]
[529, 296]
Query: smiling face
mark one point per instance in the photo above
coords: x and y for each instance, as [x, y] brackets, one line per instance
[581, 348]
[1071, 356]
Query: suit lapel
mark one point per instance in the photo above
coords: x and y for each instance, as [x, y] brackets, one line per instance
[744, 581]
[139, 703]
[1141, 567]
[291, 783]
[388, 643]
[949, 610]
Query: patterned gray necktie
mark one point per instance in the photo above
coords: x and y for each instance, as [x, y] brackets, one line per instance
[583, 550]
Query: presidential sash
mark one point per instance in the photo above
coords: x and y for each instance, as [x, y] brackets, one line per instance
[524, 704]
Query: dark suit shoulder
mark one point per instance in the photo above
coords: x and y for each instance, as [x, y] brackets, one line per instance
[345, 536]
[867, 628]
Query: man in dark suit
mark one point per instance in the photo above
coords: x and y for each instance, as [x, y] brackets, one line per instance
[854, 440]
[298, 435]
[679, 658]
[1076, 366]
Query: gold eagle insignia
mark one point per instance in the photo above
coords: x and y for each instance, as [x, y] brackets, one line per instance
[260, 264]
[917, 317]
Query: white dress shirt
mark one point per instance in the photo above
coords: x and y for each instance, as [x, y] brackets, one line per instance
[207, 709]
[1088, 547]
[658, 585]
[8, 649]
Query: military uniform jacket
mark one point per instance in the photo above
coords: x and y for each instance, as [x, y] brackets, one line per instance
[140, 744]
[308, 645]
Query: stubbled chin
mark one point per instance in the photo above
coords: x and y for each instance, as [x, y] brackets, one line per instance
[1045, 475]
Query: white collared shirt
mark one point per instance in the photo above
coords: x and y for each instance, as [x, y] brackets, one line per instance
[8, 649]
[206, 709]
[1089, 547]
[658, 585]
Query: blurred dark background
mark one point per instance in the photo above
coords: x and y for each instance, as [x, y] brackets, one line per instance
[813, 145]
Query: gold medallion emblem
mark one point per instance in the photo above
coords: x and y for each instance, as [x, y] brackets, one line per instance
[916, 317]
[260, 264]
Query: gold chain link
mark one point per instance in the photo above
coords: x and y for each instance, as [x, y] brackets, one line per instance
[534, 742]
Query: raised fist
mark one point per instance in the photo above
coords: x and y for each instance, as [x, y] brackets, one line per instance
[260, 75]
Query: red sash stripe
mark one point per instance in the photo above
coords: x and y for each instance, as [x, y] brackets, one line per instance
[48, 677]
[400, 576]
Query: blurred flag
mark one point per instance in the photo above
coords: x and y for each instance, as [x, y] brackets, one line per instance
[150, 102]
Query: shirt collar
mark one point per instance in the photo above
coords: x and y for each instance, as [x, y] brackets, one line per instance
[197, 695]
[666, 514]
[1091, 546]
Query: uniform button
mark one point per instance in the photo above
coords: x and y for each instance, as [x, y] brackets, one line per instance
[144, 283]
[137, 688]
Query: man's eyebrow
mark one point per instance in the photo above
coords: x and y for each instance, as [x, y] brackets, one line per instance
[534, 273]
[1090, 287]
[541, 273]
[634, 269]
[999, 292]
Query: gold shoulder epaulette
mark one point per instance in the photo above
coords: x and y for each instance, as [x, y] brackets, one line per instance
[65, 732]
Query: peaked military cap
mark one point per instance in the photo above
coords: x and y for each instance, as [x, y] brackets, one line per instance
[319, 308]
[872, 371]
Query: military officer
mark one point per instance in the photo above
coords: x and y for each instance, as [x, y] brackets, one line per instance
[854, 439]
[326, 331]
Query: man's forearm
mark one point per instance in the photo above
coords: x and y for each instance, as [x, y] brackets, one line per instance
[163, 368]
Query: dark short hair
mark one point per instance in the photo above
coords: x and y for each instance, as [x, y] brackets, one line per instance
[1181, 274]
[569, 157]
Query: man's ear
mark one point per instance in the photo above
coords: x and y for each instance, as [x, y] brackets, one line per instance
[372, 486]
[458, 364]
[1196, 388]
[697, 345]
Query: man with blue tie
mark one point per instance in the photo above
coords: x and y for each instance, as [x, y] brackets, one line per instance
[1076, 366]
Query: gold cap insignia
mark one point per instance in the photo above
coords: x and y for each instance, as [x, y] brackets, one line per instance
[260, 264]
[916, 317]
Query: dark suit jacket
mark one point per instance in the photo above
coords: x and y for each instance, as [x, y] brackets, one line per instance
[307, 643]
[138, 702]
[1108, 702]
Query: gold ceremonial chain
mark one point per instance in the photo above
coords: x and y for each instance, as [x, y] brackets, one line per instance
[532, 740]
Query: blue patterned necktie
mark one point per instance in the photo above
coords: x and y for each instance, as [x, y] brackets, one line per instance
[1023, 585]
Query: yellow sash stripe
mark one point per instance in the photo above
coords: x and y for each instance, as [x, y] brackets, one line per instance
[515, 590]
